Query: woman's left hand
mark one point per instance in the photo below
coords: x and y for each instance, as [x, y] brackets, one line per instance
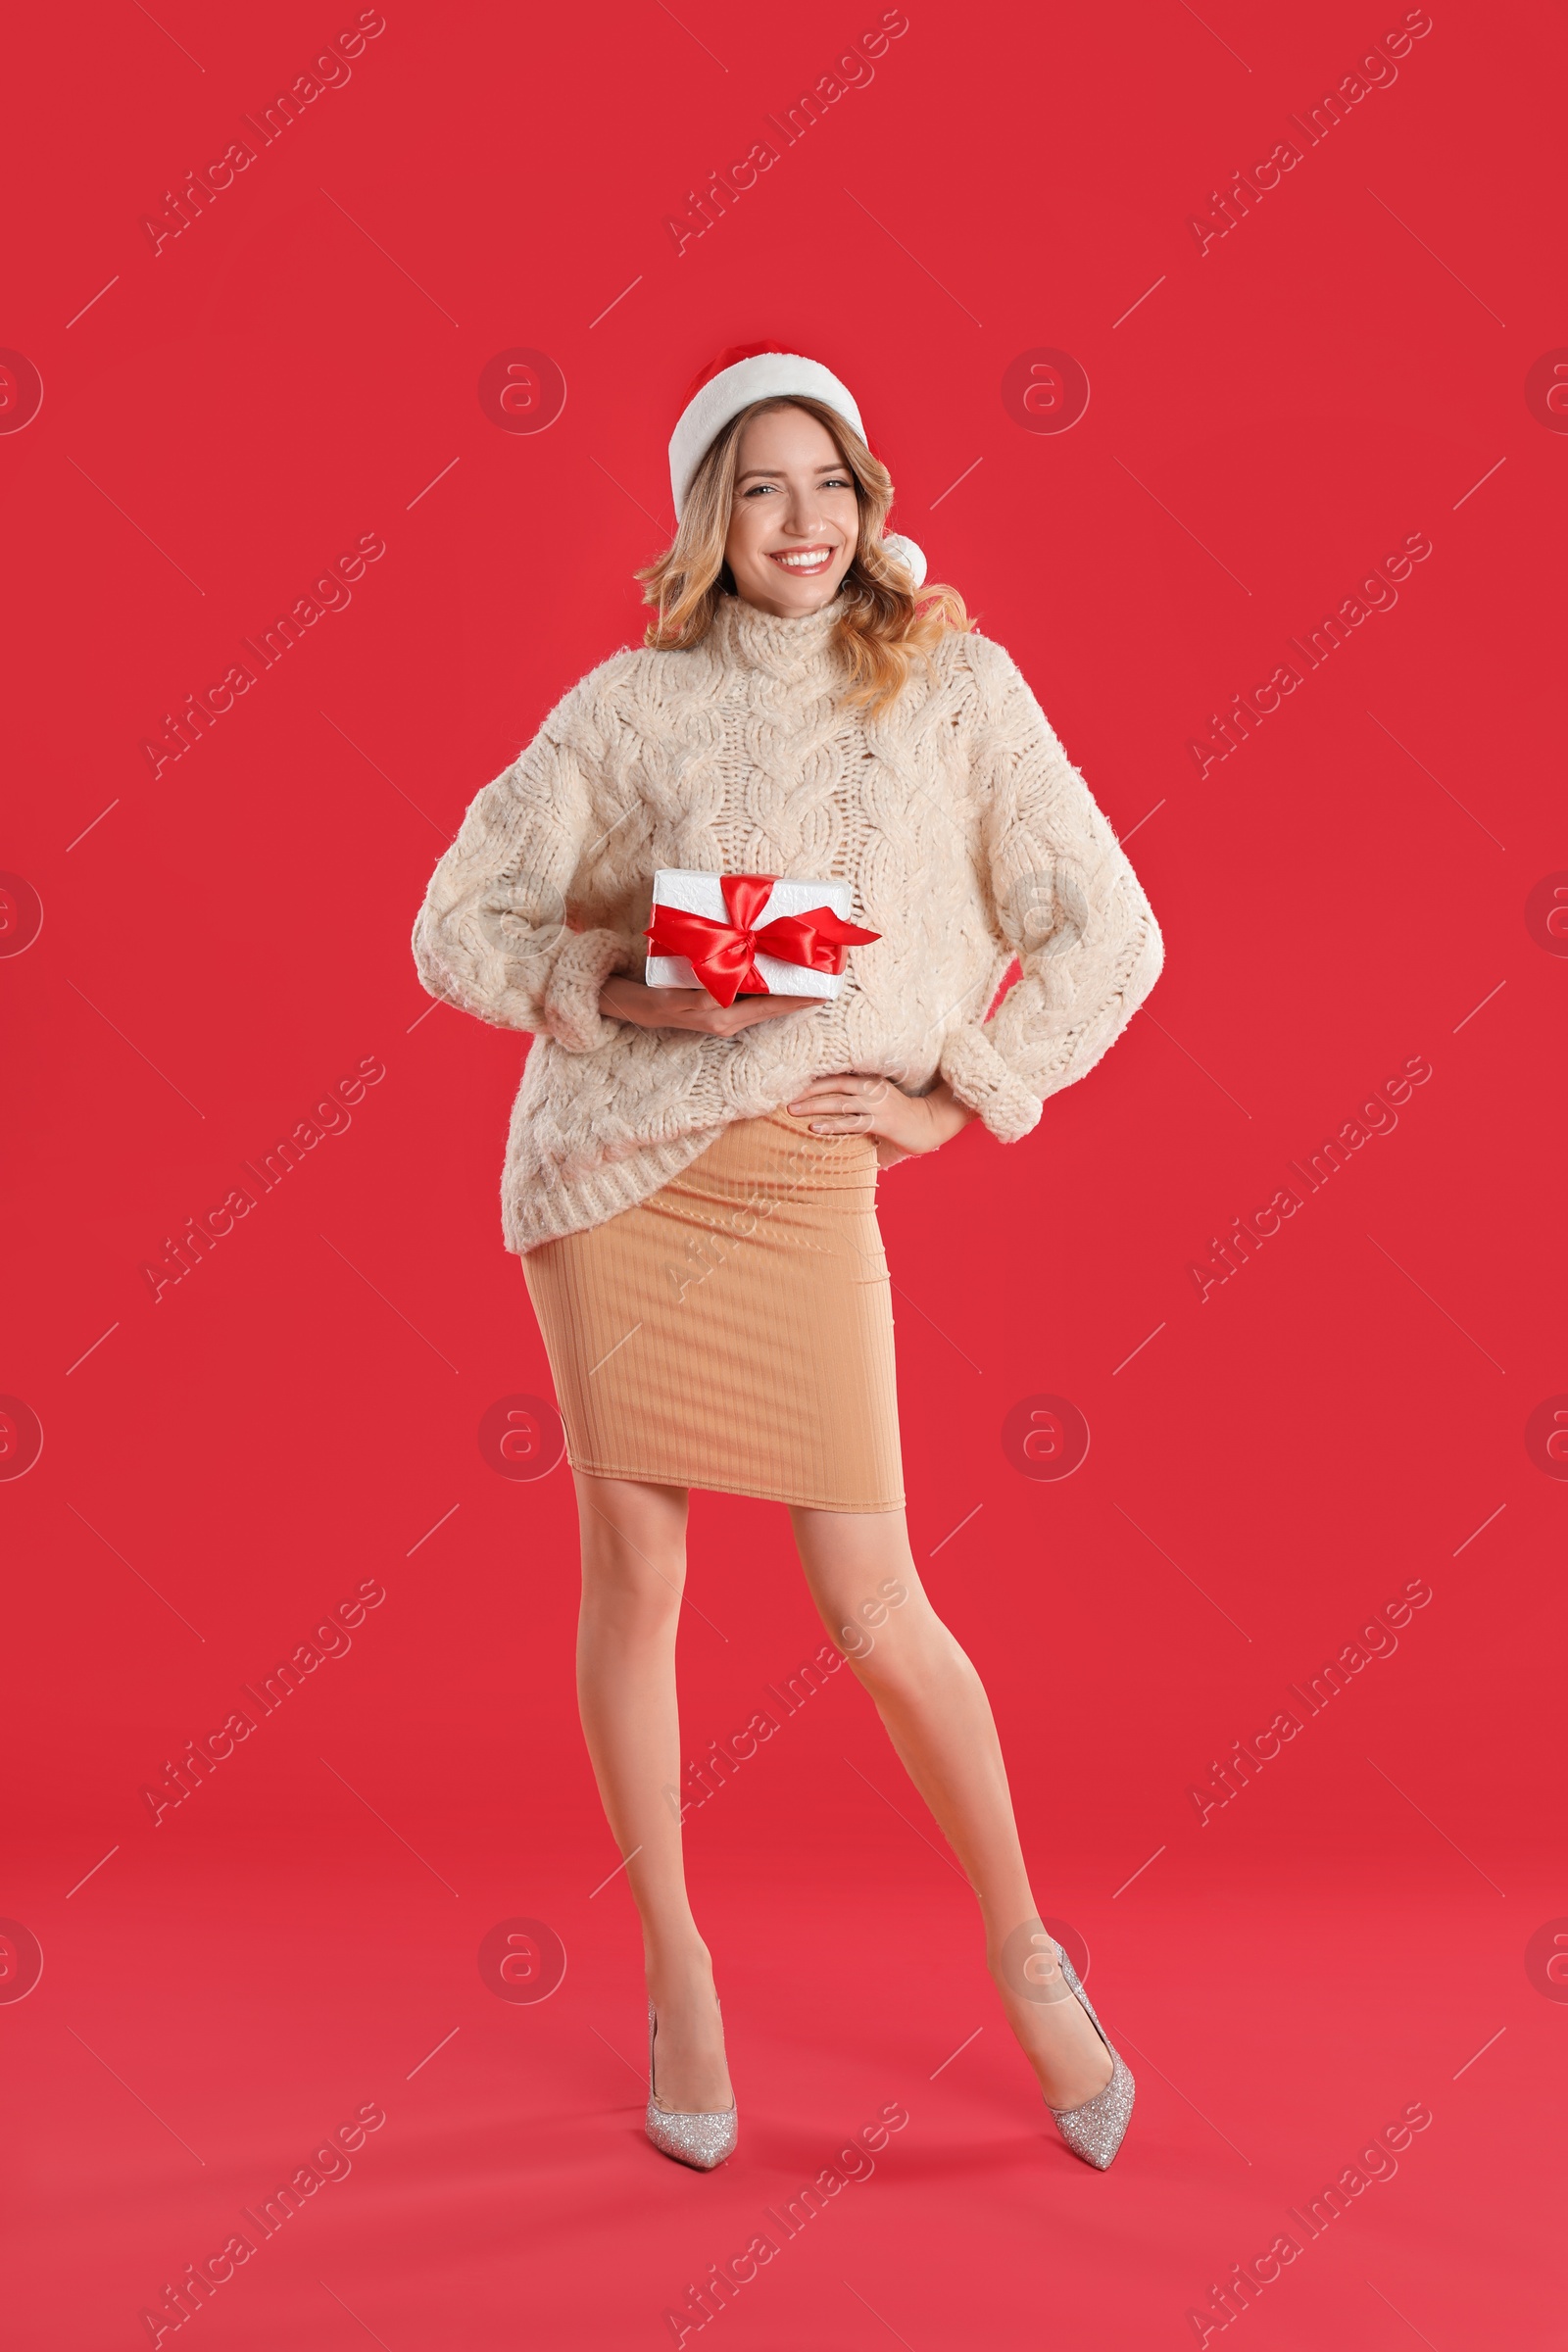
[864, 1103]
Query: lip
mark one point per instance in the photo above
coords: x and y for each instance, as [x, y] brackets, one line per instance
[801, 572]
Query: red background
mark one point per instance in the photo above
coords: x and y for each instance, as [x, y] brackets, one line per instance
[218, 421]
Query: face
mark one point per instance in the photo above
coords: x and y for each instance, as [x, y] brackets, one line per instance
[795, 518]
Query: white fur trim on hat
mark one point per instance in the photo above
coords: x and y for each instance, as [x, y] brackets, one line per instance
[769, 375]
[904, 550]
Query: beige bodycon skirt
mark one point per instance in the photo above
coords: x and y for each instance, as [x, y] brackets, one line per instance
[735, 1331]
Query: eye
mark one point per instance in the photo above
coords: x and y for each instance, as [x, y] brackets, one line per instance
[757, 489]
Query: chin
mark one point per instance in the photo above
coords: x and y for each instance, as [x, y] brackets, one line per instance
[792, 596]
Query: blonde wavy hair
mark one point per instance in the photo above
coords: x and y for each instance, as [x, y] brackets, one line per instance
[888, 624]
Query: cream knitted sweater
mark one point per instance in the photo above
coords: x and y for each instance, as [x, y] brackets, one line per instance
[956, 815]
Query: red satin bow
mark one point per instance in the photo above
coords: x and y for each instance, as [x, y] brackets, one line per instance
[723, 954]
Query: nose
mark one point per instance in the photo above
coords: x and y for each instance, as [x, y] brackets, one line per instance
[804, 518]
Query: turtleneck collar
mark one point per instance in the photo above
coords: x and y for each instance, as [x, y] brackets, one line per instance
[763, 641]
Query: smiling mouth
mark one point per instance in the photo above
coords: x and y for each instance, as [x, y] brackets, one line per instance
[806, 562]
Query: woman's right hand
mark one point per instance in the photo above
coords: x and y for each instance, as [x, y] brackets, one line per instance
[693, 1009]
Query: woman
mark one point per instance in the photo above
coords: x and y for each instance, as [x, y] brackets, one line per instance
[692, 1183]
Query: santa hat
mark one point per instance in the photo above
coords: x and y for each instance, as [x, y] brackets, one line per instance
[753, 372]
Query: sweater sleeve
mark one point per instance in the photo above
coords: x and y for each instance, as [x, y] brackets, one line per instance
[1066, 902]
[493, 935]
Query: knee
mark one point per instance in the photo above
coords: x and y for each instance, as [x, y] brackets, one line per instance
[906, 1665]
[632, 1590]
[868, 1616]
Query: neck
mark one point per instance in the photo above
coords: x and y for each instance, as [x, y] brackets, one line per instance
[773, 640]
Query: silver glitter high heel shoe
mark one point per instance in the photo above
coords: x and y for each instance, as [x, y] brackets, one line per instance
[1096, 2130]
[700, 2141]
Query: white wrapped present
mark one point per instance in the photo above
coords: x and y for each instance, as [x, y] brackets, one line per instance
[750, 933]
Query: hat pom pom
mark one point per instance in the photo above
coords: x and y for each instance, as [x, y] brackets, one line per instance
[904, 550]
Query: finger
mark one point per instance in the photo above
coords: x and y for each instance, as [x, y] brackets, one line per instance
[828, 1089]
[838, 1082]
[745, 1011]
[837, 1106]
[740, 1016]
[769, 1008]
[749, 1010]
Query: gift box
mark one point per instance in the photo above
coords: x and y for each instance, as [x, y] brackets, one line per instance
[750, 933]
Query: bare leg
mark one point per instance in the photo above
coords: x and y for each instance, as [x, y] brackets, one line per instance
[936, 1713]
[633, 1570]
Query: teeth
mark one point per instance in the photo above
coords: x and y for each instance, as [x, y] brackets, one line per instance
[808, 560]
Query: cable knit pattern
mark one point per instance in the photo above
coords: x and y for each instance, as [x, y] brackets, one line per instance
[966, 834]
